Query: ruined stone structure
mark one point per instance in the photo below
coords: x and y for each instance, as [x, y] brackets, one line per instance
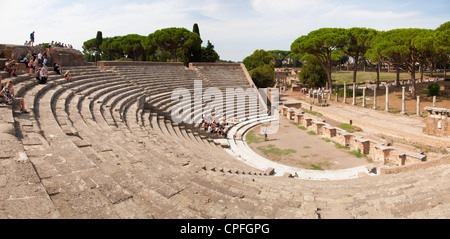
[437, 122]
[63, 56]
[377, 150]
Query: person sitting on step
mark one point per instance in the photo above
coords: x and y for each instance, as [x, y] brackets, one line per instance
[57, 68]
[43, 75]
[68, 76]
[11, 67]
[7, 95]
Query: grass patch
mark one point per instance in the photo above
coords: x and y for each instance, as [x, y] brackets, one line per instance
[319, 166]
[306, 147]
[315, 167]
[350, 128]
[299, 126]
[312, 112]
[271, 149]
[340, 146]
[362, 76]
[251, 137]
[357, 153]
[327, 140]
[312, 133]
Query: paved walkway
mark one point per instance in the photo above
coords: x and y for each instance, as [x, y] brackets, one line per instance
[378, 122]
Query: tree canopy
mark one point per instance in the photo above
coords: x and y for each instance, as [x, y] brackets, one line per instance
[406, 49]
[312, 73]
[169, 44]
[321, 44]
[261, 68]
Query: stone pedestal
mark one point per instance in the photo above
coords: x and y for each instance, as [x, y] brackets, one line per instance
[345, 92]
[364, 97]
[418, 106]
[354, 94]
[375, 98]
[403, 100]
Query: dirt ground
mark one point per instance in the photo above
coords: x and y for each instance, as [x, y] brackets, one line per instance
[312, 152]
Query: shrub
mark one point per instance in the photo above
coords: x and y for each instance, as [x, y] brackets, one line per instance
[349, 93]
[433, 89]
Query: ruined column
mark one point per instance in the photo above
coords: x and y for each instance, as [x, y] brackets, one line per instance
[418, 106]
[354, 94]
[387, 98]
[403, 100]
[434, 101]
[364, 97]
[345, 92]
[375, 98]
[337, 97]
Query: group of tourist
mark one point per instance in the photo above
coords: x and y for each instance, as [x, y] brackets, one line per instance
[214, 127]
[37, 65]
[50, 45]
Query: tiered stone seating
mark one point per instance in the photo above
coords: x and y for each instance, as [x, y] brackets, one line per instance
[87, 150]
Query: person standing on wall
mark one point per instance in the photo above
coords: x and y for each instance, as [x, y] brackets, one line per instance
[32, 38]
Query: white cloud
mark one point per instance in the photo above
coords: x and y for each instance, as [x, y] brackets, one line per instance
[284, 6]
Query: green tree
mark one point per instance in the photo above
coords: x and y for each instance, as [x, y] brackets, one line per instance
[176, 41]
[131, 46]
[263, 76]
[257, 59]
[279, 56]
[375, 56]
[425, 48]
[208, 54]
[91, 48]
[312, 73]
[358, 42]
[441, 43]
[399, 45]
[261, 68]
[195, 51]
[321, 43]
[98, 42]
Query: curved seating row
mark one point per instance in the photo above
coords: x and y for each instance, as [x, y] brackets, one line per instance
[91, 152]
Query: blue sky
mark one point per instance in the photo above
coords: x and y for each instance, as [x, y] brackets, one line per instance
[235, 27]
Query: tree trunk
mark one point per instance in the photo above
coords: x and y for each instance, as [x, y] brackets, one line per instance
[330, 81]
[421, 72]
[397, 80]
[445, 70]
[355, 69]
[364, 64]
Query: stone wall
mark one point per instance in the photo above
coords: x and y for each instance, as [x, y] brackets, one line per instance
[63, 56]
[109, 64]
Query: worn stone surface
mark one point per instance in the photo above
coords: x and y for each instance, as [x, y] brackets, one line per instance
[126, 174]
